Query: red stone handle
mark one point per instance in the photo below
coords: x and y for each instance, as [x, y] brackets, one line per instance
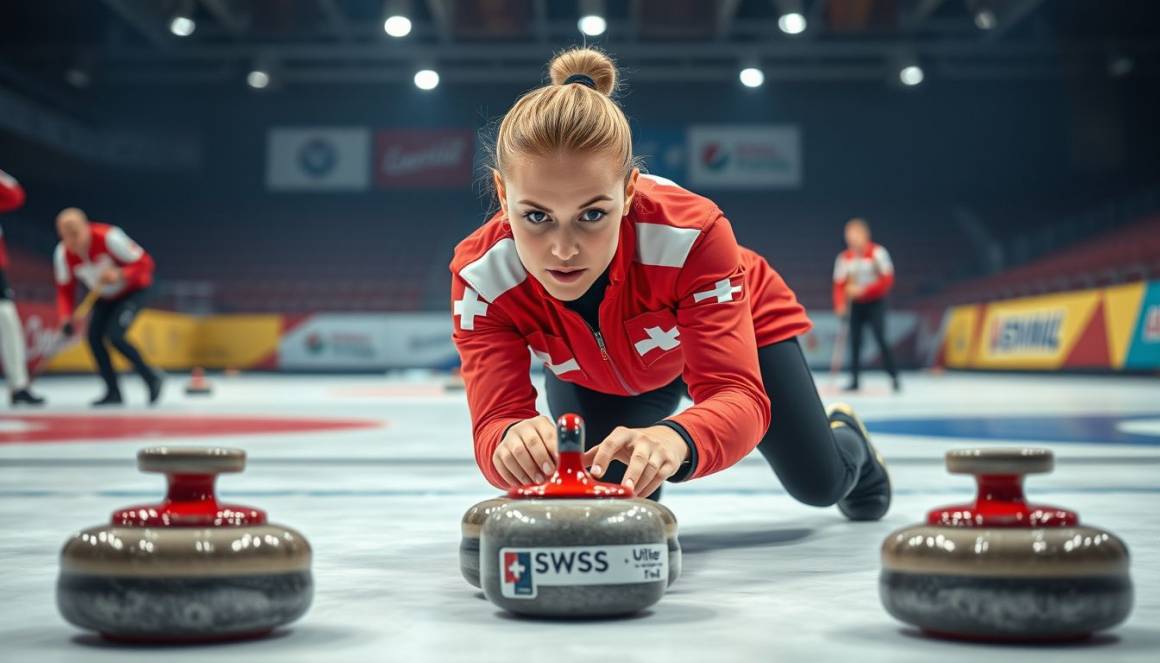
[999, 500]
[191, 500]
[571, 479]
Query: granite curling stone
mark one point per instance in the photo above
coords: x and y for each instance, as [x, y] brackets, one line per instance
[473, 522]
[574, 546]
[1000, 569]
[189, 569]
[470, 528]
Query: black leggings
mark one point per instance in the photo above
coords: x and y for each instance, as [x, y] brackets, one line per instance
[817, 464]
[110, 321]
[874, 313]
[5, 288]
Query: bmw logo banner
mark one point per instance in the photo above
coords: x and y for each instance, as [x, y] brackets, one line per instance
[318, 158]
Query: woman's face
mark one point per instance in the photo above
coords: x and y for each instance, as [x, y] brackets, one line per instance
[565, 212]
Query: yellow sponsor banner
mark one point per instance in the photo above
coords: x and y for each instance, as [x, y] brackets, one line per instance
[237, 341]
[176, 341]
[960, 341]
[1042, 333]
[1121, 310]
[165, 340]
[1035, 333]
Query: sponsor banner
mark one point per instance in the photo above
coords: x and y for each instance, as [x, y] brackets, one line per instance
[664, 150]
[175, 341]
[237, 341]
[424, 158]
[1121, 304]
[318, 159]
[1116, 328]
[959, 341]
[1144, 351]
[1034, 332]
[368, 341]
[165, 339]
[929, 336]
[524, 570]
[172, 341]
[745, 157]
[41, 337]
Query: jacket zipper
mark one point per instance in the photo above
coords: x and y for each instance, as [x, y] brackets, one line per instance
[611, 364]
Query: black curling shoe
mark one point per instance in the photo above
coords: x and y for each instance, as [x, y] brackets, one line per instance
[155, 382]
[108, 400]
[870, 497]
[26, 397]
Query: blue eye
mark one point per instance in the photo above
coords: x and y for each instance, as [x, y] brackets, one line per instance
[593, 215]
[535, 217]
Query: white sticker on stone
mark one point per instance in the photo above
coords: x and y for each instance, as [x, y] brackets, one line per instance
[524, 570]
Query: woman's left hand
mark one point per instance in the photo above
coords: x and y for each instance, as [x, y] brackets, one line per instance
[652, 454]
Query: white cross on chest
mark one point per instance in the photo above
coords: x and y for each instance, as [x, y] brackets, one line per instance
[723, 291]
[516, 569]
[469, 307]
[658, 338]
[89, 273]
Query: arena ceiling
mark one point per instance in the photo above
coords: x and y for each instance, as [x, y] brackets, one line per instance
[83, 43]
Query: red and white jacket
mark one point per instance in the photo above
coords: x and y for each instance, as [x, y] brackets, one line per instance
[870, 268]
[683, 299]
[110, 247]
[11, 199]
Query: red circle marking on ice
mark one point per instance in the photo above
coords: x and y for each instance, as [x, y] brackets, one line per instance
[63, 428]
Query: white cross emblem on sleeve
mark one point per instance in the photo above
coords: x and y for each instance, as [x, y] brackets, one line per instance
[723, 291]
[468, 308]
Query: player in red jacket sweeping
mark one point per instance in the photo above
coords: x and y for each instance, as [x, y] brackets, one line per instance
[633, 291]
[11, 331]
[103, 257]
[863, 275]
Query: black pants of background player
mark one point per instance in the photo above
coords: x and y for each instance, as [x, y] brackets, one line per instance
[818, 464]
[873, 313]
[109, 322]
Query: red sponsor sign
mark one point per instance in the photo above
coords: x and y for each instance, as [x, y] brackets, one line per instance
[42, 337]
[428, 158]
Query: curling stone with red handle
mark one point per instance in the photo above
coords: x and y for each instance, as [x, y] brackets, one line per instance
[574, 546]
[188, 569]
[1002, 569]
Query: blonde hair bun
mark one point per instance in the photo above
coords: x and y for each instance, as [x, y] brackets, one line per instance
[588, 62]
[561, 118]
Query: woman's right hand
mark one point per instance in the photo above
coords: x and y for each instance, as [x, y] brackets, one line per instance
[527, 453]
